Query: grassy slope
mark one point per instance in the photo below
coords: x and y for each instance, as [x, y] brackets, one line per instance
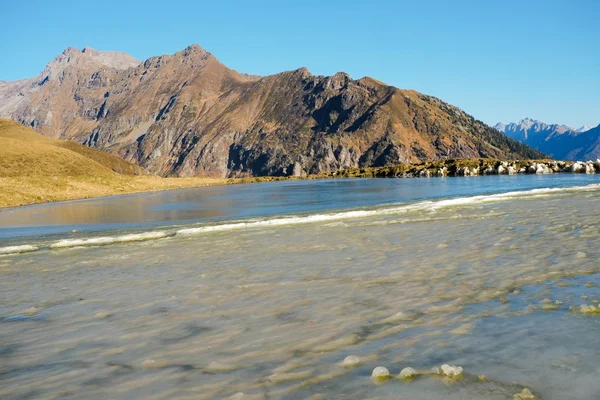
[24, 152]
[36, 169]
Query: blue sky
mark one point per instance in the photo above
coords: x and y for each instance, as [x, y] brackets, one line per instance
[497, 60]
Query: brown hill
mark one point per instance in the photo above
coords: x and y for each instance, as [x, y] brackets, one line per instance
[24, 152]
[188, 114]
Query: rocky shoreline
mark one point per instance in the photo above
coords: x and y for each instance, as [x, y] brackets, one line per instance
[471, 167]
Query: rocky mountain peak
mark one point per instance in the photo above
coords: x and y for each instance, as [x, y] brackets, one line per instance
[528, 122]
[69, 57]
[112, 59]
[194, 56]
[500, 127]
[193, 49]
[86, 59]
[70, 51]
[304, 72]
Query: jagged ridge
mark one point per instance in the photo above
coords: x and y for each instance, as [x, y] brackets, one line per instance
[558, 141]
[188, 114]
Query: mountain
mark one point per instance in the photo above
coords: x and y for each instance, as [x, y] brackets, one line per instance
[530, 130]
[558, 141]
[584, 128]
[187, 114]
[581, 146]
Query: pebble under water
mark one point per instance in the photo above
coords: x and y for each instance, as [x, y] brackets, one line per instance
[308, 311]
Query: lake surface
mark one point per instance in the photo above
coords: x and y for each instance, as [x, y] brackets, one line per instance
[265, 289]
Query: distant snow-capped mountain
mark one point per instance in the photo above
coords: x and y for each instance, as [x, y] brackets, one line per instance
[559, 141]
[584, 128]
[531, 130]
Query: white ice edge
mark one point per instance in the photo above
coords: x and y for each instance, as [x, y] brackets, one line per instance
[427, 205]
[104, 240]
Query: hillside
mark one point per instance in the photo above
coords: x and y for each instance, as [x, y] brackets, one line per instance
[24, 152]
[558, 141]
[187, 114]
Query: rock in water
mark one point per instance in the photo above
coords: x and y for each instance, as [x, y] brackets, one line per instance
[408, 373]
[102, 315]
[524, 395]
[351, 361]
[380, 373]
[154, 364]
[31, 311]
[589, 309]
[451, 370]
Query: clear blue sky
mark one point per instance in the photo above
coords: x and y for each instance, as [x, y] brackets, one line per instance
[498, 60]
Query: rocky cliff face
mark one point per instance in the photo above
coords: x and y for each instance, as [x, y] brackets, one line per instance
[188, 114]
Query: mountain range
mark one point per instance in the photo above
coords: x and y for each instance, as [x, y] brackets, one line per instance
[188, 114]
[558, 141]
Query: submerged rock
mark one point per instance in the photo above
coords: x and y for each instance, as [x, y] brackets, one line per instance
[30, 311]
[589, 309]
[524, 395]
[275, 379]
[550, 305]
[154, 364]
[216, 367]
[102, 315]
[398, 317]
[351, 361]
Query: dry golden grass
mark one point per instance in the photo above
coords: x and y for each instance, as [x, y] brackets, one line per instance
[24, 152]
[21, 190]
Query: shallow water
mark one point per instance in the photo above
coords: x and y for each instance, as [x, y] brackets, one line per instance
[222, 203]
[271, 306]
